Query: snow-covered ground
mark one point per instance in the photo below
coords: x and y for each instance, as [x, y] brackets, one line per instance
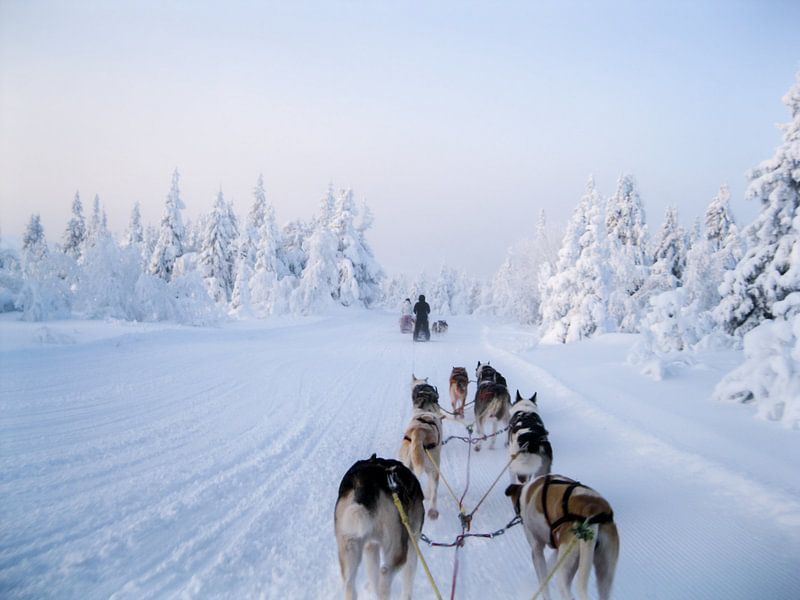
[162, 461]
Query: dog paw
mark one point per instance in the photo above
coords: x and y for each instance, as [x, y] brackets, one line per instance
[433, 514]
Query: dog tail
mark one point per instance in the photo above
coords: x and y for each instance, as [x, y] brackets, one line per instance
[605, 559]
[585, 562]
[417, 451]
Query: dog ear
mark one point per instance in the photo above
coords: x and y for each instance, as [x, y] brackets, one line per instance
[533, 398]
[519, 397]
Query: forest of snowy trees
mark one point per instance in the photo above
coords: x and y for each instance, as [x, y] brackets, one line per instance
[195, 273]
[714, 285]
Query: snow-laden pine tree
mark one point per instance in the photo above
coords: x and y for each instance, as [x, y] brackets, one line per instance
[241, 304]
[359, 273]
[669, 258]
[34, 246]
[559, 286]
[320, 279]
[169, 243]
[761, 296]
[10, 278]
[75, 234]
[516, 285]
[294, 235]
[627, 232]
[46, 277]
[255, 220]
[267, 295]
[768, 272]
[134, 234]
[218, 250]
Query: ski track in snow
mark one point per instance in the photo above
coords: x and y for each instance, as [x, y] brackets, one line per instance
[204, 463]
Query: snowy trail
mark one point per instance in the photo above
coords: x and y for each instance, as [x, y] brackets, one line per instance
[205, 463]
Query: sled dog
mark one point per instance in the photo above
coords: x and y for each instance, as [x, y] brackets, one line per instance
[367, 523]
[424, 396]
[527, 441]
[424, 432]
[459, 380]
[550, 506]
[439, 327]
[492, 401]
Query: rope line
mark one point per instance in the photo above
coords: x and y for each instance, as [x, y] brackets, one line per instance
[404, 518]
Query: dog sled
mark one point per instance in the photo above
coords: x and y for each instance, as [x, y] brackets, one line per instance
[406, 324]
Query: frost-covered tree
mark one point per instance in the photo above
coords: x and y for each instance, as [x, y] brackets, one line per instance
[294, 235]
[134, 235]
[266, 294]
[515, 287]
[10, 278]
[669, 259]
[218, 250]
[46, 278]
[75, 234]
[770, 374]
[770, 269]
[107, 281]
[241, 304]
[575, 297]
[359, 273]
[169, 244]
[319, 282]
[628, 237]
[34, 246]
[255, 220]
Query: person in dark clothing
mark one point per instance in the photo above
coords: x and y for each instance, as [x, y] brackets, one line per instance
[422, 309]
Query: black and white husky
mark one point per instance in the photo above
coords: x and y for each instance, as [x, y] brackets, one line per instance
[367, 523]
[527, 441]
[424, 396]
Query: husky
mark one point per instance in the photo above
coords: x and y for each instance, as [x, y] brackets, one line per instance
[424, 432]
[459, 380]
[492, 401]
[550, 506]
[439, 327]
[424, 396]
[367, 522]
[528, 446]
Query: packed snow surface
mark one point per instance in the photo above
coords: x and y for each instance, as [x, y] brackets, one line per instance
[163, 461]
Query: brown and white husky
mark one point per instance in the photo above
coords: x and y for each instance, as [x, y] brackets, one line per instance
[367, 523]
[528, 444]
[492, 401]
[424, 432]
[550, 507]
[459, 381]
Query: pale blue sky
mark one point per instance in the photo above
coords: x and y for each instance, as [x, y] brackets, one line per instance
[457, 121]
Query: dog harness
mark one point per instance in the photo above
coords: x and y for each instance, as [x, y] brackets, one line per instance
[428, 421]
[568, 517]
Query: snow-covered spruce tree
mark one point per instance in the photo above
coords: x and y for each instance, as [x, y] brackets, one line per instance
[318, 284]
[169, 244]
[516, 285]
[627, 231]
[359, 273]
[218, 253]
[761, 296]
[107, 281]
[669, 258]
[769, 271]
[134, 235]
[46, 277]
[10, 278]
[294, 235]
[34, 246]
[255, 219]
[75, 234]
[559, 288]
[241, 304]
[267, 295]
